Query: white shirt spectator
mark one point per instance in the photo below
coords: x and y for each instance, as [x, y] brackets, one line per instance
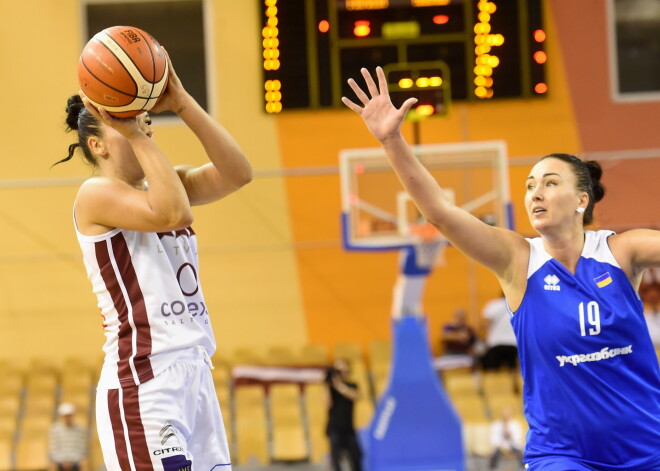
[67, 443]
[506, 435]
[653, 321]
[500, 331]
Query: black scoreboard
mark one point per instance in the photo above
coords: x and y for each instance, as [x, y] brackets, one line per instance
[437, 50]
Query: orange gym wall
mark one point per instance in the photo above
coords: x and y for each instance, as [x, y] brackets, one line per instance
[271, 260]
[348, 295]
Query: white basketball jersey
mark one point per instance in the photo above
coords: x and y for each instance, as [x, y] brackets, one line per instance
[151, 301]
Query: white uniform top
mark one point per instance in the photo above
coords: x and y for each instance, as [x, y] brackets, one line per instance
[151, 301]
[500, 331]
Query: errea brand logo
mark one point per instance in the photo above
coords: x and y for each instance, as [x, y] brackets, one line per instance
[551, 283]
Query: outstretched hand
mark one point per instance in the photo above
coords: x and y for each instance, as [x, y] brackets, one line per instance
[382, 118]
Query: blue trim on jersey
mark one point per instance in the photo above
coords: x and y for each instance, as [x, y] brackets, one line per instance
[591, 376]
[220, 465]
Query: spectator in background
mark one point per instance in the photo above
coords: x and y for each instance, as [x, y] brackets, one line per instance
[501, 345]
[505, 438]
[458, 338]
[68, 442]
[340, 428]
[650, 294]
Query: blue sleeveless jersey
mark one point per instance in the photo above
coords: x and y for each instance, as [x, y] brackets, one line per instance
[591, 375]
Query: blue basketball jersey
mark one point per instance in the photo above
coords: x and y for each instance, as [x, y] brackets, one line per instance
[591, 375]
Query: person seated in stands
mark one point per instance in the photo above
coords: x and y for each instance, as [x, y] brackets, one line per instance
[505, 438]
[458, 338]
[501, 346]
[67, 449]
[650, 294]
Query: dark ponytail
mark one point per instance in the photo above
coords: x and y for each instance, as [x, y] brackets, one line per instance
[596, 171]
[587, 174]
[80, 120]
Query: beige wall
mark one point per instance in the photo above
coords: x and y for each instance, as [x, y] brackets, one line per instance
[247, 263]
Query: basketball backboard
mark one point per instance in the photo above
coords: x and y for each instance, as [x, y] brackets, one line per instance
[375, 214]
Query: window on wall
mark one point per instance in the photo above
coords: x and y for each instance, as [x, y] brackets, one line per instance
[178, 25]
[635, 49]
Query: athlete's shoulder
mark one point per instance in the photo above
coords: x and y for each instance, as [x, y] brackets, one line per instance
[597, 247]
[538, 255]
[99, 183]
[92, 200]
[97, 190]
[636, 236]
[597, 237]
[636, 250]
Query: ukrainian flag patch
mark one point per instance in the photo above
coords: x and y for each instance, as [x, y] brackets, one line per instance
[603, 280]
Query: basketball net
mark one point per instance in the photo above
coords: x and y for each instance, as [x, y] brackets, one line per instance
[429, 244]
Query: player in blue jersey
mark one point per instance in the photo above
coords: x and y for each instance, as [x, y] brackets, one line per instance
[592, 381]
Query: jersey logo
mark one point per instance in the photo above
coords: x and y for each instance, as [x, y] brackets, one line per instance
[603, 280]
[551, 283]
[604, 354]
[167, 432]
[176, 463]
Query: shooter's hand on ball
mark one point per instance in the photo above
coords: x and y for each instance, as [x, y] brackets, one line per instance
[175, 96]
[128, 127]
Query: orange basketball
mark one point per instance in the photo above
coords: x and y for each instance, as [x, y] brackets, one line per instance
[123, 69]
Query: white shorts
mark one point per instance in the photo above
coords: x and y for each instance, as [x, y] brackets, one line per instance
[170, 423]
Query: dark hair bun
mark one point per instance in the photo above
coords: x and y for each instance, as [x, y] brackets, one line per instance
[596, 171]
[74, 106]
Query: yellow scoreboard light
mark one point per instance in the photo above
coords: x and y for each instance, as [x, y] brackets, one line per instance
[357, 5]
[271, 56]
[362, 28]
[273, 96]
[427, 81]
[485, 41]
[367, 4]
[430, 3]
[400, 30]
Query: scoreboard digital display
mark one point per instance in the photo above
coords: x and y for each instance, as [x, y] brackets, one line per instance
[437, 50]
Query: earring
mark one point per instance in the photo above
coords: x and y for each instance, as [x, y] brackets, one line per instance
[579, 210]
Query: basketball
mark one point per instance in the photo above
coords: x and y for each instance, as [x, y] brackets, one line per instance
[123, 69]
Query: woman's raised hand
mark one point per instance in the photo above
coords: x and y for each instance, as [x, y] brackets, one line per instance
[382, 118]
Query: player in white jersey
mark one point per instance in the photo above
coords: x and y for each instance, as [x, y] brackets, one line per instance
[592, 381]
[156, 404]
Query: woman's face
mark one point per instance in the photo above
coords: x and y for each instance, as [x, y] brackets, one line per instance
[552, 197]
